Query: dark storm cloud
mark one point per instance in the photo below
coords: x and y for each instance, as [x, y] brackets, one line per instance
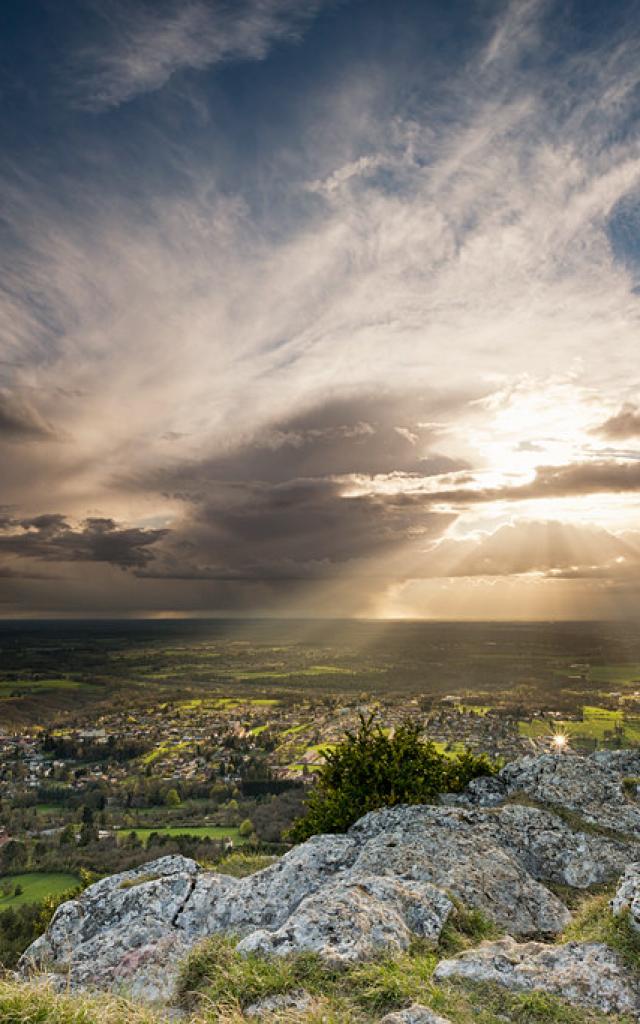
[623, 425]
[283, 504]
[302, 529]
[365, 434]
[51, 538]
[20, 421]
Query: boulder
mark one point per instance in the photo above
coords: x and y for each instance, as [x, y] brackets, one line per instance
[354, 918]
[444, 846]
[267, 898]
[121, 931]
[551, 851]
[583, 973]
[591, 788]
[627, 897]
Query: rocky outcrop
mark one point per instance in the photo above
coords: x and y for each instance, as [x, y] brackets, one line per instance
[591, 788]
[397, 874]
[584, 973]
[627, 897]
[445, 847]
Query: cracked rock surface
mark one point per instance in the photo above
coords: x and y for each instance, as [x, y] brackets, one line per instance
[396, 875]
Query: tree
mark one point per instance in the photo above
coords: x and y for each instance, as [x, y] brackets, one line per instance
[245, 828]
[172, 799]
[370, 769]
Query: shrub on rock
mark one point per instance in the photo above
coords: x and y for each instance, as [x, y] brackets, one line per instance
[371, 769]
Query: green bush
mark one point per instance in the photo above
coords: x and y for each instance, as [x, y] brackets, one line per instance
[370, 769]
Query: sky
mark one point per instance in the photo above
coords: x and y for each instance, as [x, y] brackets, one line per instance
[320, 308]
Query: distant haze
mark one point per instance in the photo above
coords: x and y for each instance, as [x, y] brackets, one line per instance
[320, 308]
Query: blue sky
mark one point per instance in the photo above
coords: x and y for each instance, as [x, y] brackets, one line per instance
[320, 306]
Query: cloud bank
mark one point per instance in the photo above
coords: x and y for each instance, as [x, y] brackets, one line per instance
[344, 322]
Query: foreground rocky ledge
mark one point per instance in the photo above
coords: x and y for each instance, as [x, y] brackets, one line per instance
[398, 874]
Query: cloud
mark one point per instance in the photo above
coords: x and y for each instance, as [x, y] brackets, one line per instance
[547, 548]
[50, 538]
[144, 45]
[20, 420]
[263, 343]
[361, 433]
[624, 424]
[597, 477]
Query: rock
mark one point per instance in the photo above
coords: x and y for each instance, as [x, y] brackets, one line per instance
[590, 787]
[122, 930]
[449, 848]
[267, 898]
[624, 762]
[416, 1014]
[356, 917]
[297, 1000]
[551, 851]
[583, 973]
[627, 897]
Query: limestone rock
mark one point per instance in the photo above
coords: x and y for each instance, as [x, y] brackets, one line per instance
[355, 917]
[627, 897]
[583, 973]
[267, 898]
[415, 1014]
[442, 846]
[590, 787]
[551, 851]
[122, 930]
[297, 1000]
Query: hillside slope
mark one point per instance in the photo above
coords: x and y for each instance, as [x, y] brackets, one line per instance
[505, 889]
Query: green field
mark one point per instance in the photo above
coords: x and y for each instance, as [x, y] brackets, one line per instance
[615, 673]
[197, 831]
[11, 686]
[279, 673]
[36, 887]
[597, 724]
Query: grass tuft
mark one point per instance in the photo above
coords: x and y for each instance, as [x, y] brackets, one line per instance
[594, 922]
[240, 864]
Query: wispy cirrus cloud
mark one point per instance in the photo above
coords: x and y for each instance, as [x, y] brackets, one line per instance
[143, 45]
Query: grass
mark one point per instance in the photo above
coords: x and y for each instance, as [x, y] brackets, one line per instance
[196, 831]
[219, 983]
[132, 883]
[594, 922]
[216, 984]
[240, 863]
[377, 988]
[11, 686]
[36, 887]
[21, 1004]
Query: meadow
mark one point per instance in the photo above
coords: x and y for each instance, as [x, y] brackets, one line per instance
[35, 886]
[197, 831]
